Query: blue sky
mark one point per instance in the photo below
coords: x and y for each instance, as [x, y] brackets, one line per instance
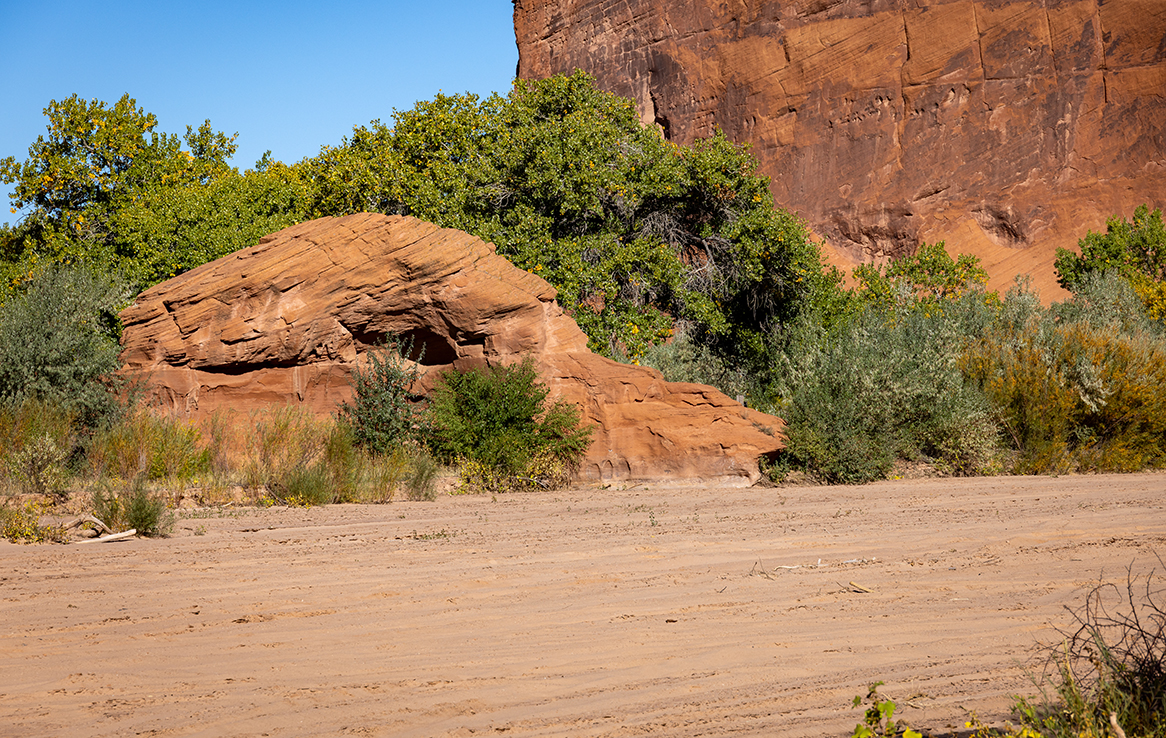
[286, 76]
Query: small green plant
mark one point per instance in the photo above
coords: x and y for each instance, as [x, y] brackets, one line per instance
[879, 719]
[383, 414]
[496, 423]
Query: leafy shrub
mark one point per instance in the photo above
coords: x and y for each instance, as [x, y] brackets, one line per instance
[383, 414]
[135, 509]
[498, 418]
[58, 343]
[104, 188]
[1077, 387]
[882, 386]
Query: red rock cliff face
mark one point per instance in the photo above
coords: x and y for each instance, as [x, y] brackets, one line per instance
[1005, 128]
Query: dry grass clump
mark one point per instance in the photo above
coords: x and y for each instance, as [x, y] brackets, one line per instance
[1106, 677]
[133, 473]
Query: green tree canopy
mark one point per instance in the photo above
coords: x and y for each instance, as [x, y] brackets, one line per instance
[103, 188]
[926, 278]
[58, 342]
[1135, 249]
[636, 233]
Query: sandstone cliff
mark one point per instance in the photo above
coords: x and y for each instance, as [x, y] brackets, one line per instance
[1006, 128]
[286, 321]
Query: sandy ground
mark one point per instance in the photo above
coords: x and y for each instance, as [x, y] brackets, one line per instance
[617, 612]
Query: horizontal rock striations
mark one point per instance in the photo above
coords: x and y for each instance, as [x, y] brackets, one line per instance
[1006, 128]
[288, 319]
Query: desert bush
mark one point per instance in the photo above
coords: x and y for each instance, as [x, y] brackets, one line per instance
[1106, 674]
[1107, 300]
[498, 418]
[881, 386]
[38, 467]
[58, 343]
[147, 444]
[136, 508]
[1077, 386]
[1133, 250]
[383, 414]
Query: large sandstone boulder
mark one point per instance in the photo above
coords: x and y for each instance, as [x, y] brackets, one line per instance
[1007, 128]
[288, 319]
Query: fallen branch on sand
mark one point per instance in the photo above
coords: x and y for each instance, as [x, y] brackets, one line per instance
[115, 537]
[101, 527]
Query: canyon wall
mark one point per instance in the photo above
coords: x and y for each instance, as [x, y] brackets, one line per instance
[1004, 128]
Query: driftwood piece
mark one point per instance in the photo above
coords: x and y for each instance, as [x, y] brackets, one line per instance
[115, 537]
[1117, 731]
[101, 527]
[858, 588]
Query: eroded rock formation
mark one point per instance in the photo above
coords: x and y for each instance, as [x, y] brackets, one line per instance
[286, 321]
[1006, 128]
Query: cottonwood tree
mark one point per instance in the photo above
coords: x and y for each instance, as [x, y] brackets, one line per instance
[103, 188]
[637, 233]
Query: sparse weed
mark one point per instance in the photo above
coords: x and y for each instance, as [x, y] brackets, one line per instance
[879, 718]
[421, 481]
[1106, 678]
